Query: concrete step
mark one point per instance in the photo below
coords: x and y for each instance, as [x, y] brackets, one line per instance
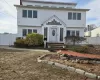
[56, 46]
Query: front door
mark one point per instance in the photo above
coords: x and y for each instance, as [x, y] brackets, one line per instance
[53, 35]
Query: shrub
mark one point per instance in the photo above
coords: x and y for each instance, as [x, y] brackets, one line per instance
[31, 40]
[20, 43]
[74, 39]
[34, 39]
[90, 45]
[84, 49]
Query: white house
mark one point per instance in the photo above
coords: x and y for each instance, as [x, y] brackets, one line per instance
[54, 20]
[93, 33]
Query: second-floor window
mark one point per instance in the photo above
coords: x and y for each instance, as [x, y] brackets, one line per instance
[29, 13]
[74, 16]
[34, 14]
[24, 13]
[78, 16]
[69, 15]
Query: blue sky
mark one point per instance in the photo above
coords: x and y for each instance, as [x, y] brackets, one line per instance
[8, 13]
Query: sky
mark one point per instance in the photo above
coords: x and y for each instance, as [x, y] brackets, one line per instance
[8, 13]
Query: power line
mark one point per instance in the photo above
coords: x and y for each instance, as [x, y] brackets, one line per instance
[8, 4]
[8, 14]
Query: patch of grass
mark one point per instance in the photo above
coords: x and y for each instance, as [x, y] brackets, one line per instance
[81, 49]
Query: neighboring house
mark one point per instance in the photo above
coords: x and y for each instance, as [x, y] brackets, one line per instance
[93, 33]
[54, 20]
[90, 27]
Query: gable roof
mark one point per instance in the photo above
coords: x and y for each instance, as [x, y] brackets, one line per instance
[54, 17]
[50, 2]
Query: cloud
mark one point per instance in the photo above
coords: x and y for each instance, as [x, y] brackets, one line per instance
[8, 14]
[94, 12]
[7, 27]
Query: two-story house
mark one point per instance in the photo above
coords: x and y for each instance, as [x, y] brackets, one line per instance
[54, 20]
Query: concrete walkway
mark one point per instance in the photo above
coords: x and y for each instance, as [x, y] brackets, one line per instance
[7, 47]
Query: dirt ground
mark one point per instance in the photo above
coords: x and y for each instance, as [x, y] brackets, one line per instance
[23, 65]
[92, 68]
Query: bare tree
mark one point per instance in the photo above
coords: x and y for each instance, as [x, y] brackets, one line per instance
[74, 39]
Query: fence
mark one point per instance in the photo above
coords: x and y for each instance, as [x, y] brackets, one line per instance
[7, 39]
[92, 40]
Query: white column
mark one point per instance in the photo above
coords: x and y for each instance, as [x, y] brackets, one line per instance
[48, 34]
[64, 34]
[43, 31]
[58, 34]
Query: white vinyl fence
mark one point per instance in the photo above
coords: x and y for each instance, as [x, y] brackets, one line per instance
[92, 40]
[7, 39]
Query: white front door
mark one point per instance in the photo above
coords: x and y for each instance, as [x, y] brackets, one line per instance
[53, 35]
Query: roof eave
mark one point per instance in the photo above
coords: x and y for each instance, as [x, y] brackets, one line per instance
[39, 7]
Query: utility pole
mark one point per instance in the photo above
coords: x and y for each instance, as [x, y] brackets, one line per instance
[89, 30]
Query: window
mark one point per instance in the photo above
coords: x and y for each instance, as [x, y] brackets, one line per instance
[24, 14]
[24, 32]
[61, 34]
[29, 13]
[34, 31]
[77, 33]
[78, 16]
[34, 14]
[45, 32]
[74, 16]
[73, 33]
[68, 33]
[69, 15]
[29, 31]
[53, 32]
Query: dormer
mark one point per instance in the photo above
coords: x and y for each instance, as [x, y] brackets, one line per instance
[48, 4]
